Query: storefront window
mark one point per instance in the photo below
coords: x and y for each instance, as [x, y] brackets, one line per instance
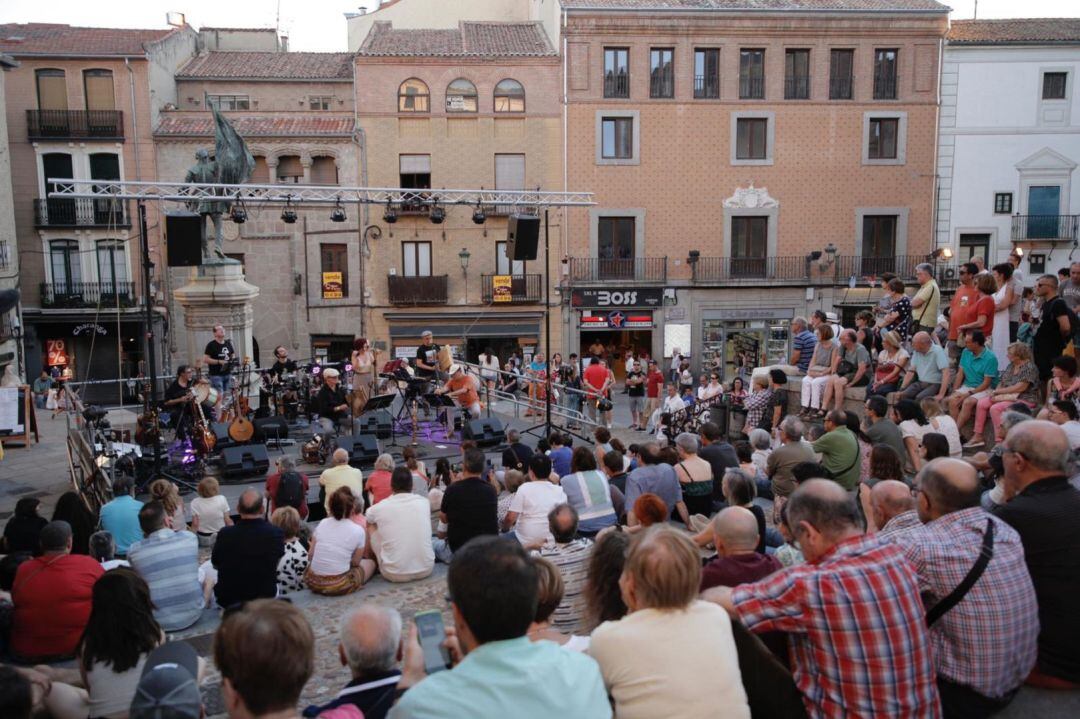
[736, 347]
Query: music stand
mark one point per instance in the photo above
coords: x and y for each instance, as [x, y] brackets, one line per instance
[437, 401]
[377, 402]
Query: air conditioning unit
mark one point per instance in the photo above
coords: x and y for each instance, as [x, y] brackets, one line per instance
[950, 273]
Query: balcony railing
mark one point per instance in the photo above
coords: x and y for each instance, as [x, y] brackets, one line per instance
[840, 88]
[81, 295]
[797, 88]
[524, 289]
[706, 86]
[885, 87]
[662, 86]
[1055, 228]
[68, 124]
[752, 88]
[425, 290]
[617, 85]
[5, 255]
[634, 269]
[80, 212]
[801, 270]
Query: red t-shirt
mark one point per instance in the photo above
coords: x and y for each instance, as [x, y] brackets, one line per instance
[52, 598]
[596, 375]
[378, 483]
[985, 307]
[653, 383]
[962, 309]
[272, 484]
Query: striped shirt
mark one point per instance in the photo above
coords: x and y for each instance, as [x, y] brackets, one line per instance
[169, 562]
[804, 343]
[572, 559]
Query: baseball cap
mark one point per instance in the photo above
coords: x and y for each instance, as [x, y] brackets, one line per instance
[168, 687]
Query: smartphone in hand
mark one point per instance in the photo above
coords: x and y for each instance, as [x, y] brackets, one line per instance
[432, 634]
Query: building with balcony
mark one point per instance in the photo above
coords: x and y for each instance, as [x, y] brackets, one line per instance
[749, 164]
[475, 105]
[10, 319]
[82, 104]
[1009, 141]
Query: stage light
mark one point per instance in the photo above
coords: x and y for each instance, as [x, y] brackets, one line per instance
[238, 214]
[390, 216]
[288, 215]
[338, 213]
[478, 216]
[438, 214]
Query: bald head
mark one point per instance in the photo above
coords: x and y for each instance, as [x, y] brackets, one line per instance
[340, 456]
[250, 503]
[735, 531]
[370, 638]
[889, 498]
[921, 341]
[949, 485]
[1044, 445]
[825, 506]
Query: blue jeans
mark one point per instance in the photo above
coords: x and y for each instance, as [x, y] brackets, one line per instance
[221, 382]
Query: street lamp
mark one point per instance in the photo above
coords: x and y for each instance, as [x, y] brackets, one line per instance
[463, 257]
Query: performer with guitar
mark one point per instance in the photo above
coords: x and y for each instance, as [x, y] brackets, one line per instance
[219, 357]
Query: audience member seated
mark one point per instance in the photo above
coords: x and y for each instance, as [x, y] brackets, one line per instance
[1063, 384]
[23, 530]
[791, 452]
[559, 454]
[517, 454]
[1019, 382]
[103, 549]
[370, 646]
[589, 493]
[120, 516]
[168, 561]
[822, 368]
[1064, 414]
[528, 512]
[658, 660]
[399, 532]
[266, 654]
[853, 370]
[655, 478]
[649, 509]
[1042, 507]
[891, 509]
[71, 508]
[885, 463]
[469, 507]
[164, 491]
[694, 474]
[341, 475]
[603, 597]
[493, 588]
[881, 429]
[293, 563]
[570, 554]
[169, 685]
[716, 451]
[510, 481]
[120, 633]
[52, 598]
[932, 446]
[210, 511]
[984, 643]
[928, 374]
[761, 447]
[377, 484]
[975, 378]
[246, 554]
[916, 420]
[788, 553]
[550, 594]
[21, 692]
[839, 450]
[942, 423]
[737, 561]
[288, 487]
[337, 549]
[891, 364]
[854, 618]
[614, 468]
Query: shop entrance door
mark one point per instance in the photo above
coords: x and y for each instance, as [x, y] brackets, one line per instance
[617, 344]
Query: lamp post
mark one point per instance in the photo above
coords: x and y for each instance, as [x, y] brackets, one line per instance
[463, 257]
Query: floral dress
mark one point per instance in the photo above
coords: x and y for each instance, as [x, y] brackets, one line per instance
[291, 567]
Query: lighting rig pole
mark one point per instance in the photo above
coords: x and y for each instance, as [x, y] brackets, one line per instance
[148, 307]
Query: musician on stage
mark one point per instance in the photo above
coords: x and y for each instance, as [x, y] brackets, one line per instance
[362, 360]
[331, 404]
[179, 401]
[462, 388]
[272, 377]
[219, 357]
[427, 357]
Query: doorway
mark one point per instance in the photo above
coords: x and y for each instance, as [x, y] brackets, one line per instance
[616, 344]
[1043, 208]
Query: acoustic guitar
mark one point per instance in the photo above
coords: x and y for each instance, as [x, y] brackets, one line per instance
[240, 428]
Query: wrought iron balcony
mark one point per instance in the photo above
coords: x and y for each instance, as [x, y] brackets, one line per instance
[840, 88]
[617, 84]
[752, 88]
[524, 289]
[634, 269]
[425, 290]
[85, 295]
[80, 212]
[797, 87]
[74, 124]
[706, 86]
[802, 270]
[661, 86]
[1052, 228]
[885, 87]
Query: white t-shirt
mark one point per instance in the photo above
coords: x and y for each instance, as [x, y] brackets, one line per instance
[402, 539]
[1072, 431]
[211, 512]
[532, 502]
[335, 542]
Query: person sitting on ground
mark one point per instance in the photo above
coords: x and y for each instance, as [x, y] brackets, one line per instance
[246, 555]
[336, 551]
[788, 553]
[602, 443]
[570, 554]
[559, 453]
[614, 468]
[493, 588]
[399, 532]
[694, 474]
[761, 448]
[369, 644]
[421, 481]
[820, 374]
[469, 507]
[294, 562]
[1064, 384]
[791, 452]
[892, 361]
[1019, 382]
[1042, 506]
[169, 684]
[657, 659]
[210, 511]
[655, 478]
[986, 643]
[1063, 413]
[22, 533]
[288, 487]
[103, 549]
[52, 598]
[266, 654]
[889, 509]
[603, 596]
[975, 378]
[588, 492]
[120, 633]
[533, 500]
[885, 463]
[517, 454]
[852, 587]
[377, 485]
[716, 451]
[120, 515]
[737, 561]
[839, 450]
[71, 508]
[649, 509]
[164, 491]
[340, 474]
[932, 446]
[509, 484]
[168, 561]
[550, 594]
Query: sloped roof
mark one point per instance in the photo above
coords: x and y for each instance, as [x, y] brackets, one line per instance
[761, 5]
[269, 66]
[202, 125]
[38, 38]
[469, 39]
[1015, 31]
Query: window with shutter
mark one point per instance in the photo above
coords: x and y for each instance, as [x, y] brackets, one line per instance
[324, 171]
[52, 90]
[99, 90]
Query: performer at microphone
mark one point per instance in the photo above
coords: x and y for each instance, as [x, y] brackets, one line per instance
[462, 388]
[218, 357]
[282, 364]
[331, 404]
[427, 357]
[363, 366]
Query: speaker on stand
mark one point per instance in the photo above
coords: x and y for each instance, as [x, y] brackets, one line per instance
[183, 238]
[522, 237]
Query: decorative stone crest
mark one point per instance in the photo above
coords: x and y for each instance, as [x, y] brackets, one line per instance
[751, 198]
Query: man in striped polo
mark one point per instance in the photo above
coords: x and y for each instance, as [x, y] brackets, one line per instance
[169, 562]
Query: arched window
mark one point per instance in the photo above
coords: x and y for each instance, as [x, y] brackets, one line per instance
[509, 96]
[324, 170]
[260, 174]
[413, 96]
[290, 170]
[461, 96]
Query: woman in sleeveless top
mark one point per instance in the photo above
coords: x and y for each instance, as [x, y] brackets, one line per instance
[694, 474]
[363, 364]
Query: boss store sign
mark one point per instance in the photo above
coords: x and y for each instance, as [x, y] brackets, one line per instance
[638, 298]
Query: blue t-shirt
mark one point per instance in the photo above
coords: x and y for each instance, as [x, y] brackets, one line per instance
[976, 369]
[121, 518]
[804, 342]
[560, 460]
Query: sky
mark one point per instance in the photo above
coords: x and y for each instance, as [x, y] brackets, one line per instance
[320, 24]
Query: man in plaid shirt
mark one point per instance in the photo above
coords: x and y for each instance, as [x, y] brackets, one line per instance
[986, 644]
[856, 627]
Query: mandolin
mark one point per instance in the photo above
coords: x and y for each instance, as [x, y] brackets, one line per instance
[240, 428]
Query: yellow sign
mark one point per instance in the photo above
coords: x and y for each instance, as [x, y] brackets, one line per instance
[501, 288]
[332, 288]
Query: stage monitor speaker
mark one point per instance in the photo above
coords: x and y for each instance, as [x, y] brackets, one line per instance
[271, 428]
[221, 432]
[183, 238]
[363, 449]
[486, 432]
[377, 423]
[249, 460]
[522, 237]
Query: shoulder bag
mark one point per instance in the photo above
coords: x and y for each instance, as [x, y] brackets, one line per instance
[985, 555]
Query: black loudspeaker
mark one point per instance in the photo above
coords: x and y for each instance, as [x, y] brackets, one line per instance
[271, 428]
[522, 237]
[183, 238]
[486, 432]
[363, 449]
[377, 423]
[250, 460]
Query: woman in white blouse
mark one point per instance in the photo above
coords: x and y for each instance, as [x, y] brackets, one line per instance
[489, 368]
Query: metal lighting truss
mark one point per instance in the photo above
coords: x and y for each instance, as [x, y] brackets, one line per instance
[314, 194]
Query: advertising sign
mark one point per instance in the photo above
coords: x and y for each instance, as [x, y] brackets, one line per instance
[56, 353]
[332, 288]
[501, 290]
[644, 297]
[616, 320]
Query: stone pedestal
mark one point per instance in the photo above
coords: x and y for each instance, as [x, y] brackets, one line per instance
[217, 295]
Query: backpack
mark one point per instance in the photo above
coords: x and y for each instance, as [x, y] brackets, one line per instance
[290, 490]
[1074, 321]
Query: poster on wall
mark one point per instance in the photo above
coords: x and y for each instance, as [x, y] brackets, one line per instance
[56, 353]
[677, 336]
[501, 290]
[332, 286]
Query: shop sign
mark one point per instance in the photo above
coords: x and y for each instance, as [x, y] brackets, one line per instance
[629, 298]
[501, 288]
[616, 320]
[749, 314]
[332, 286]
[56, 353]
[89, 328]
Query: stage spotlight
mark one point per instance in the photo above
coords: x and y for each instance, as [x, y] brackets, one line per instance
[438, 214]
[390, 216]
[288, 215]
[238, 214]
[338, 213]
[478, 216]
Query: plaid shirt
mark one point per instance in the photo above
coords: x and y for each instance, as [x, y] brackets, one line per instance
[900, 524]
[857, 631]
[989, 640]
[755, 405]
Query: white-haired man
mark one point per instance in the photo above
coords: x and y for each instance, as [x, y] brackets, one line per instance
[331, 405]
